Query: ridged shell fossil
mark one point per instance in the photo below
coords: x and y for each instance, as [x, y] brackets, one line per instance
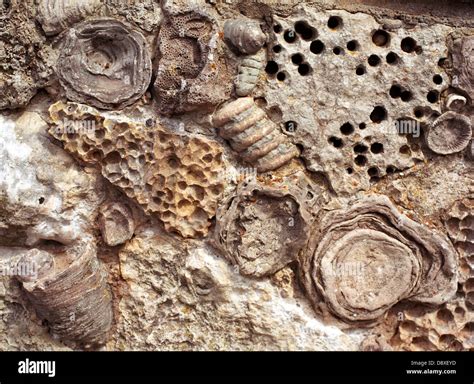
[362, 260]
[449, 133]
[57, 15]
[116, 223]
[253, 135]
[104, 63]
[177, 178]
[71, 293]
[249, 72]
[455, 102]
[463, 64]
[261, 229]
[245, 35]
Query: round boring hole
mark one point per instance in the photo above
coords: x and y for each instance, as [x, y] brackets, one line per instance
[337, 50]
[378, 114]
[437, 79]
[335, 22]
[352, 45]
[374, 60]
[335, 141]
[373, 171]
[395, 91]
[271, 67]
[406, 96]
[277, 28]
[289, 36]
[360, 70]
[281, 76]
[432, 96]
[347, 129]
[381, 38]
[316, 47]
[360, 160]
[376, 148]
[418, 112]
[304, 69]
[360, 148]
[392, 58]
[277, 48]
[305, 30]
[349, 170]
[297, 58]
[362, 126]
[408, 45]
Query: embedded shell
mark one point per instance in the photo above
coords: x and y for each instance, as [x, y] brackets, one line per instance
[449, 133]
[244, 35]
[108, 54]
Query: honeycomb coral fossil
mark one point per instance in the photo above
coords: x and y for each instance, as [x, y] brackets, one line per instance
[177, 178]
[104, 63]
[244, 35]
[57, 15]
[362, 260]
[253, 135]
[70, 291]
[261, 229]
[449, 133]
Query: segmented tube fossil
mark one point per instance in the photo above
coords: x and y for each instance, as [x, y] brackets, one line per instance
[249, 71]
[244, 35]
[104, 63]
[253, 135]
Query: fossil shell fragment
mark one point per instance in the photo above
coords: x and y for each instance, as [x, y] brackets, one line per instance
[261, 229]
[455, 102]
[449, 133]
[57, 15]
[463, 63]
[116, 223]
[253, 135]
[245, 35]
[71, 294]
[104, 63]
[175, 177]
[362, 260]
[249, 72]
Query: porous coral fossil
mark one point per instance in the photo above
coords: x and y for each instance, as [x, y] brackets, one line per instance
[108, 54]
[364, 259]
[177, 177]
[191, 74]
[261, 229]
[70, 291]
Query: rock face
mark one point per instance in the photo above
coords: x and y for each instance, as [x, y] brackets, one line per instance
[212, 175]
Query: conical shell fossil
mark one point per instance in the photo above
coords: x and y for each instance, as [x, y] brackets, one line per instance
[262, 229]
[56, 15]
[108, 54]
[362, 260]
[245, 35]
[253, 135]
[449, 133]
[249, 71]
[71, 293]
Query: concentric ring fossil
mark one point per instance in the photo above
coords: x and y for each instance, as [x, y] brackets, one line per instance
[244, 35]
[253, 135]
[449, 133]
[104, 63]
[362, 260]
[57, 15]
[71, 293]
[261, 229]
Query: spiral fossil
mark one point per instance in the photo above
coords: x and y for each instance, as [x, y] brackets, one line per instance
[108, 54]
[70, 291]
[253, 135]
[362, 260]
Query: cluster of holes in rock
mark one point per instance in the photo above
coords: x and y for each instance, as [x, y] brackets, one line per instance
[380, 38]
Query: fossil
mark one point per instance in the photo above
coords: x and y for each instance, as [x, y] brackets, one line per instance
[261, 229]
[71, 293]
[244, 35]
[109, 54]
[116, 223]
[463, 63]
[362, 260]
[449, 133]
[175, 177]
[57, 15]
[253, 135]
[249, 71]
